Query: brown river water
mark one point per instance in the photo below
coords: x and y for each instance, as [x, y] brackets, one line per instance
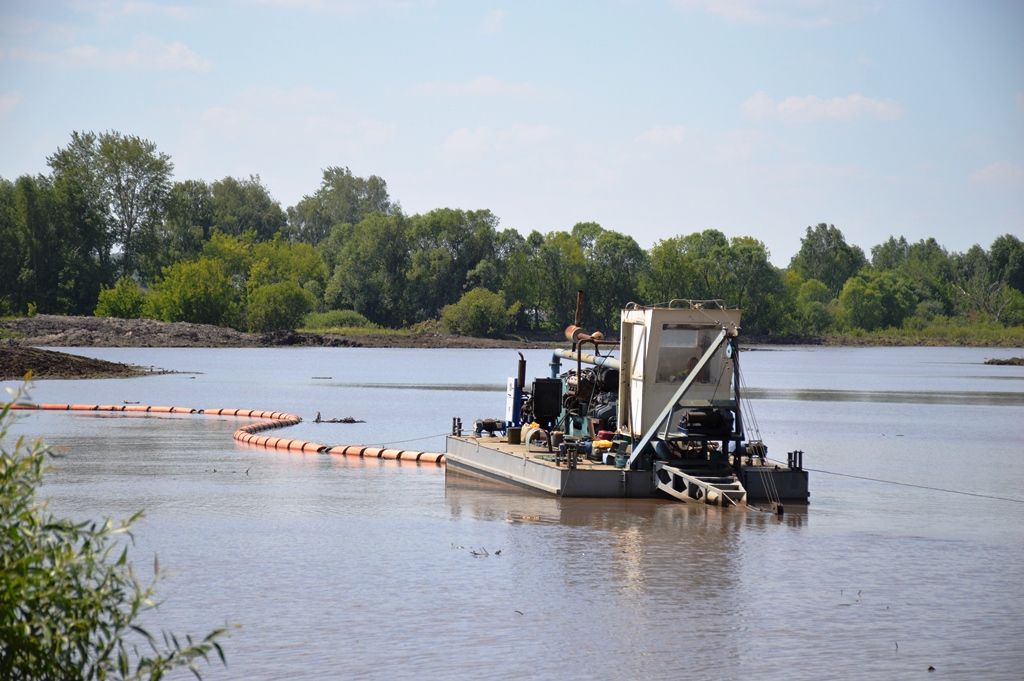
[331, 567]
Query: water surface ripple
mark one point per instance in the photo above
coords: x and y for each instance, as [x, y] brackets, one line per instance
[346, 568]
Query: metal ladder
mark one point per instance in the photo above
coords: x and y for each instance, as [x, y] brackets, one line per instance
[717, 486]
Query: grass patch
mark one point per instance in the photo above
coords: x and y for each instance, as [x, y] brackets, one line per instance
[940, 332]
[358, 331]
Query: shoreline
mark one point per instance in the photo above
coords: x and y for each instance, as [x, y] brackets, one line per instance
[66, 331]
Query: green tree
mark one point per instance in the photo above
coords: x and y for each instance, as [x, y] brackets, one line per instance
[872, 300]
[11, 255]
[342, 198]
[812, 304]
[138, 182]
[70, 602]
[480, 313]
[689, 266]
[241, 206]
[82, 247]
[277, 307]
[125, 300]
[671, 273]
[370, 272]
[197, 291]
[38, 275]
[562, 268]
[52, 243]
[188, 223]
[445, 246]
[746, 279]
[891, 254]
[235, 254]
[129, 180]
[929, 269]
[979, 288]
[521, 282]
[824, 255]
[279, 260]
[614, 266]
[1007, 260]
[860, 304]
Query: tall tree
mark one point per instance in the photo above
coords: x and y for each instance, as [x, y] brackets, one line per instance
[614, 266]
[521, 280]
[891, 254]
[246, 206]
[83, 247]
[38, 275]
[341, 198]
[127, 180]
[11, 255]
[981, 287]
[873, 300]
[188, 223]
[687, 266]
[824, 255]
[138, 180]
[561, 266]
[370, 274]
[1007, 258]
[445, 246]
[749, 281]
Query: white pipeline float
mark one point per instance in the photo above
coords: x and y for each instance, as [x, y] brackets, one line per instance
[660, 413]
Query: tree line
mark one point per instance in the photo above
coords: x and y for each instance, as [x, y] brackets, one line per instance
[109, 232]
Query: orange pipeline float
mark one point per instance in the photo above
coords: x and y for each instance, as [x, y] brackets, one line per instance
[248, 434]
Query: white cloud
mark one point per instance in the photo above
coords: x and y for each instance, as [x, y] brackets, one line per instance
[156, 8]
[494, 22]
[464, 142]
[285, 134]
[813, 108]
[314, 117]
[37, 30]
[999, 175]
[798, 13]
[481, 86]
[664, 135]
[145, 54]
[107, 9]
[9, 101]
[341, 6]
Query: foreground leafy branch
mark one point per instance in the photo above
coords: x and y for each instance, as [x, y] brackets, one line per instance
[70, 601]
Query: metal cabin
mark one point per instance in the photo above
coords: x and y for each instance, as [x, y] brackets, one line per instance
[665, 417]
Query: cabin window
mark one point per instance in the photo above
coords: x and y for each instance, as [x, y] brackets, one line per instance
[679, 353]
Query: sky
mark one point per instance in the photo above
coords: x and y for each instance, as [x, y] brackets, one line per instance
[654, 118]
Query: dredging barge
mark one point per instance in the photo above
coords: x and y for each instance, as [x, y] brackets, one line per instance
[663, 418]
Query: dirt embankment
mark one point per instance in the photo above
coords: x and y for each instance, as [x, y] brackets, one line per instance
[61, 331]
[17, 356]
[57, 330]
[16, 361]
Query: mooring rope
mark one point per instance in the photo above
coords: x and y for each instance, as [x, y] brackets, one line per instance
[908, 484]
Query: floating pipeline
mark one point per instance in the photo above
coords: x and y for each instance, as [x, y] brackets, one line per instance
[249, 434]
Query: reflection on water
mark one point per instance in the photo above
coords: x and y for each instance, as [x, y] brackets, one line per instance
[474, 387]
[900, 396]
[347, 568]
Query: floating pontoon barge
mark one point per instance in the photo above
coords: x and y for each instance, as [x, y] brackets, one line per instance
[659, 414]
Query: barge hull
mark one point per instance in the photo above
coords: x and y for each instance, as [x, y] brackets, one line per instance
[492, 458]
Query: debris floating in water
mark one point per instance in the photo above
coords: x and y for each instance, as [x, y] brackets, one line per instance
[344, 419]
